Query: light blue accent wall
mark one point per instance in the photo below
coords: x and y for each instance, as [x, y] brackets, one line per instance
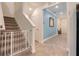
[49, 31]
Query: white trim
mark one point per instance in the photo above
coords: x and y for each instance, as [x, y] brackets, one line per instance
[71, 31]
[51, 5]
[51, 12]
[50, 37]
[20, 51]
[42, 27]
[29, 19]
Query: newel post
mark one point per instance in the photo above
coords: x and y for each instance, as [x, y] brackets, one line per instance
[33, 40]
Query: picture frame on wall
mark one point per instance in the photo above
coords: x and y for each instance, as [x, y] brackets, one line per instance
[51, 22]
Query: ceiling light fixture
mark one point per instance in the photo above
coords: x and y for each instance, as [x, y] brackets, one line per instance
[56, 6]
[30, 9]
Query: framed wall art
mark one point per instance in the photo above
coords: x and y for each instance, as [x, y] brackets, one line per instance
[51, 22]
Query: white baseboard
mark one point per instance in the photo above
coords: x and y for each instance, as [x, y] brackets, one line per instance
[19, 51]
[49, 37]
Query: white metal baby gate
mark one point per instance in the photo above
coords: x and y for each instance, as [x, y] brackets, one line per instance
[14, 42]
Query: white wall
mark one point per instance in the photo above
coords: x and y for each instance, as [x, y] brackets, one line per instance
[37, 18]
[36, 15]
[38, 21]
[63, 21]
[8, 9]
[20, 18]
[26, 7]
[71, 26]
[1, 18]
[64, 25]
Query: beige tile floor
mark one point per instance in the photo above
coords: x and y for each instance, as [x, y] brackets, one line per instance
[56, 46]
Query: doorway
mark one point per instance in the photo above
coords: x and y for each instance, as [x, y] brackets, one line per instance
[77, 13]
[62, 25]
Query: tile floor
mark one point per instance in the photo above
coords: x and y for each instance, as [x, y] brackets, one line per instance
[55, 46]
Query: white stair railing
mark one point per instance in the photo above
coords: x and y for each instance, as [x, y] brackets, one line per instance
[31, 26]
[12, 43]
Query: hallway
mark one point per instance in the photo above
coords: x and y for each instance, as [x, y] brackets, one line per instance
[53, 47]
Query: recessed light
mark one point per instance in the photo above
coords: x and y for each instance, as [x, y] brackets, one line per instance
[30, 9]
[56, 6]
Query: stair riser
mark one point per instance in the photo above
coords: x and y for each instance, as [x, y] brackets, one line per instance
[19, 39]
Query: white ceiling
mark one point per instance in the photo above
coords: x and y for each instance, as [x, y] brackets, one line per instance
[35, 4]
[61, 10]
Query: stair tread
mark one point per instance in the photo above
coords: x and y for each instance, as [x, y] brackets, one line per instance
[11, 26]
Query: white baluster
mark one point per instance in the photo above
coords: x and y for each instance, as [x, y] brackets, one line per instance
[26, 38]
[11, 42]
[2, 45]
[33, 40]
[5, 43]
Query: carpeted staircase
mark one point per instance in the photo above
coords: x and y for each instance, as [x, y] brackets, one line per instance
[18, 41]
[10, 24]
